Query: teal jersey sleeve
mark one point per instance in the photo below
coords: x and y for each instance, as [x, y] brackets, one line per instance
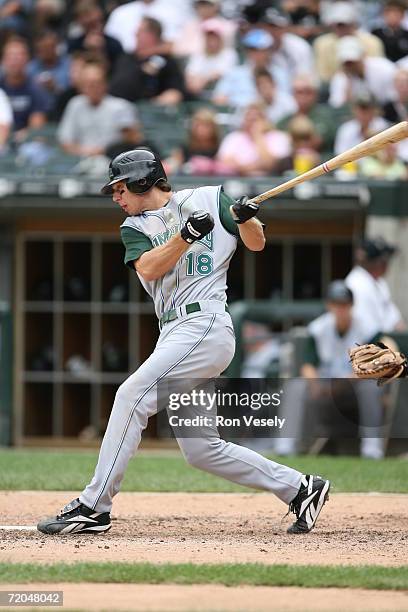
[224, 203]
[136, 243]
[310, 354]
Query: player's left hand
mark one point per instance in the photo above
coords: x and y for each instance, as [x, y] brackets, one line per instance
[243, 210]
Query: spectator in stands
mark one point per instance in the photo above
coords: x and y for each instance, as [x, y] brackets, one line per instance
[372, 295]
[146, 75]
[305, 144]
[305, 18]
[77, 62]
[125, 20]
[257, 148]
[342, 20]
[49, 67]
[393, 35]
[49, 15]
[306, 95]
[397, 109]
[290, 52]
[14, 14]
[30, 102]
[89, 16]
[279, 104]
[238, 87]
[6, 120]
[366, 123]
[192, 40]
[200, 149]
[385, 165]
[326, 357]
[206, 67]
[359, 73]
[92, 121]
[131, 136]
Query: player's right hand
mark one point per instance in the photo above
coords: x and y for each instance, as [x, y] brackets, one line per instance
[199, 224]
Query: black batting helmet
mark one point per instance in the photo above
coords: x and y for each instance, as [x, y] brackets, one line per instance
[140, 168]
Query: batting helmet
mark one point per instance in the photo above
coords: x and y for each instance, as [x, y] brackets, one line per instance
[140, 168]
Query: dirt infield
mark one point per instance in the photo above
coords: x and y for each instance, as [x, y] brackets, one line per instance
[200, 598]
[213, 528]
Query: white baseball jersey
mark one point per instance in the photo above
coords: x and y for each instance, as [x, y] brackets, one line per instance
[201, 273]
[373, 301]
[332, 348]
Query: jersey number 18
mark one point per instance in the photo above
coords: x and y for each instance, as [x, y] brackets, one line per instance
[199, 263]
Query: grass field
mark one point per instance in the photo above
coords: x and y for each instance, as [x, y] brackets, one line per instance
[229, 574]
[72, 470]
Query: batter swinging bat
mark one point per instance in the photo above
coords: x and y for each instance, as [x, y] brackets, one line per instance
[367, 147]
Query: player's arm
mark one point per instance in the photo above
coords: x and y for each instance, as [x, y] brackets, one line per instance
[311, 361]
[153, 263]
[250, 229]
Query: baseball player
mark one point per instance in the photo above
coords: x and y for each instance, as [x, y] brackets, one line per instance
[180, 245]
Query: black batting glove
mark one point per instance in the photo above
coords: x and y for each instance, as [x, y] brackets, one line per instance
[198, 225]
[243, 210]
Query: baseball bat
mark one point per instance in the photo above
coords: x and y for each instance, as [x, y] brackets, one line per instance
[367, 147]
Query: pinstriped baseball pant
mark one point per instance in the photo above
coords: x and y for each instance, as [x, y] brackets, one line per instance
[196, 346]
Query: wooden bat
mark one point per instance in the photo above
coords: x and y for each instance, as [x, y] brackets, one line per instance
[367, 147]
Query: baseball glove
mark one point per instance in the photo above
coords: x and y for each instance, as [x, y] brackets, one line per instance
[378, 361]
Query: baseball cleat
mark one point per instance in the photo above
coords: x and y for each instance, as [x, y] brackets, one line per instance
[76, 518]
[308, 503]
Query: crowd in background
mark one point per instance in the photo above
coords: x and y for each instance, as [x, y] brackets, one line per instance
[275, 86]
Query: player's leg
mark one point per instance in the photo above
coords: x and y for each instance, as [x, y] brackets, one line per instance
[292, 409]
[135, 402]
[207, 451]
[371, 414]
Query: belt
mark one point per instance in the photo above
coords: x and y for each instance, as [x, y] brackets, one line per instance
[181, 311]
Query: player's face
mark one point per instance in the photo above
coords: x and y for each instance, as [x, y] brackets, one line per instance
[130, 203]
[342, 313]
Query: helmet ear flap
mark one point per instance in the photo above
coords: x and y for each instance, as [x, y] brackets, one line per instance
[139, 186]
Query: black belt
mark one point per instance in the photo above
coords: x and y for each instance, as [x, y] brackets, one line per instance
[172, 315]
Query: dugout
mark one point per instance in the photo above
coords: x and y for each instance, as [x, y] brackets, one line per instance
[81, 322]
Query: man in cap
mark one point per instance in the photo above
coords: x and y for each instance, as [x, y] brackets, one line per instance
[207, 66]
[326, 357]
[371, 292]
[291, 53]
[342, 19]
[359, 73]
[238, 87]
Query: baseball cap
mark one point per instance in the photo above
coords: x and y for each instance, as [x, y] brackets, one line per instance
[341, 12]
[374, 248]
[257, 39]
[365, 100]
[349, 49]
[215, 25]
[339, 293]
[275, 17]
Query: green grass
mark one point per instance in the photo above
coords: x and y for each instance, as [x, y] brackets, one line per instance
[72, 470]
[230, 574]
